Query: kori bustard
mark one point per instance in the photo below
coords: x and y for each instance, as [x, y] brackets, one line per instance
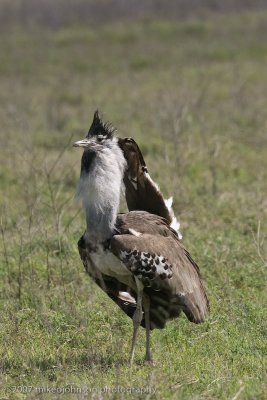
[137, 257]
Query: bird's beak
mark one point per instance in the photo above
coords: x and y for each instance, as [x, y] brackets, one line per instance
[82, 143]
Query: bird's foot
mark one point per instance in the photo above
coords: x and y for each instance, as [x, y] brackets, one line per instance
[149, 360]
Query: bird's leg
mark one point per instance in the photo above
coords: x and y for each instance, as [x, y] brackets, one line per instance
[146, 304]
[137, 317]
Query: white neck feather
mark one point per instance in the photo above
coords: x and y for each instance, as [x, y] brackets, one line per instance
[99, 191]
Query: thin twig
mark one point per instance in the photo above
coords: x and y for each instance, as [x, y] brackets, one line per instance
[258, 243]
[242, 387]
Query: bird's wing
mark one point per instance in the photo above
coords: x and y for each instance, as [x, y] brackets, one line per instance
[121, 294]
[169, 274]
[141, 192]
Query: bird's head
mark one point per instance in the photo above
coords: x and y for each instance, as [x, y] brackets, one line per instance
[99, 136]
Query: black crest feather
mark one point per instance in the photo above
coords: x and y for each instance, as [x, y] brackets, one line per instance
[99, 127]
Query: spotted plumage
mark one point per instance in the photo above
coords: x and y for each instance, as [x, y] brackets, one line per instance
[147, 267]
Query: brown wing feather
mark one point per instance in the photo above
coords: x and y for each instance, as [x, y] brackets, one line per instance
[184, 290]
[144, 222]
[141, 192]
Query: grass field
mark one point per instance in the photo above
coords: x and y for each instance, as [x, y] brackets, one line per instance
[193, 95]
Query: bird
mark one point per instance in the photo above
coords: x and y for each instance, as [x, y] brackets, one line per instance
[136, 257]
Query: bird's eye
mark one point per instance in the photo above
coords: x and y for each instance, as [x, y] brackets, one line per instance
[100, 139]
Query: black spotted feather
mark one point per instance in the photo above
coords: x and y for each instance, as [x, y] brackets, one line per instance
[156, 256]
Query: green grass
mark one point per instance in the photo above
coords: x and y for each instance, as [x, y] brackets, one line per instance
[193, 95]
